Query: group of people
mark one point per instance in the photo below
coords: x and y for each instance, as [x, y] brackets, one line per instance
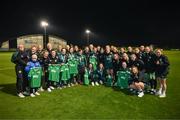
[142, 67]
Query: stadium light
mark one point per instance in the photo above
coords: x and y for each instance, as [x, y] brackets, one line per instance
[88, 32]
[44, 24]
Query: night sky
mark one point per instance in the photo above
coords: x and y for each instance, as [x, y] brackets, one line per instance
[128, 22]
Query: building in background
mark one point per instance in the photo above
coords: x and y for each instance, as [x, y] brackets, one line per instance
[35, 39]
[55, 41]
[29, 40]
[5, 45]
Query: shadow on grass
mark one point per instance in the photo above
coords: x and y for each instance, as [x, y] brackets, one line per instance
[8, 88]
[125, 91]
[11, 89]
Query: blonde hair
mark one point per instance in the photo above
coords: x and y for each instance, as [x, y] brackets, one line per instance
[136, 72]
[159, 49]
[33, 46]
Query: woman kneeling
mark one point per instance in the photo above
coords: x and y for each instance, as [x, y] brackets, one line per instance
[135, 83]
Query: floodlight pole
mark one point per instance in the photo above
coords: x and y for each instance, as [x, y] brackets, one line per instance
[44, 24]
[88, 35]
[88, 39]
[45, 37]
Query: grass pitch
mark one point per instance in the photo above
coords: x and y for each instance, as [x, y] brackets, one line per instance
[87, 102]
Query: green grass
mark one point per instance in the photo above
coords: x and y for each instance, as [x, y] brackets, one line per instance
[82, 102]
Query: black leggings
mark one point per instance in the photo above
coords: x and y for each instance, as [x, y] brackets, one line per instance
[21, 82]
[33, 90]
[153, 84]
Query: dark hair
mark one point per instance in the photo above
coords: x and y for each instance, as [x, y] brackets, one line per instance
[53, 50]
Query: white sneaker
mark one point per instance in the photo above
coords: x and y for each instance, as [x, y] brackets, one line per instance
[41, 89]
[131, 89]
[101, 82]
[21, 95]
[162, 95]
[69, 85]
[49, 89]
[59, 88]
[64, 86]
[26, 93]
[72, 84]
[52, 88]
[155, 90]
[32, 95]
[158, 92]
[36, 93]
[92, 83]
[141, 94]
[97, 83]
[152, 91]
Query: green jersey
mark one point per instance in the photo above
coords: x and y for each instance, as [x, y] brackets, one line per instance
[82, 60]
[73, 64]
[71, 56]
[123, 78]
[108, 61]
[86, 77]
[93, 61]
[64, 72]
[35, 77]
[73, 67]
[109, 80]
[54, 72]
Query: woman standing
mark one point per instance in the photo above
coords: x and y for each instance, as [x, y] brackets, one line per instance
[162, 70]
